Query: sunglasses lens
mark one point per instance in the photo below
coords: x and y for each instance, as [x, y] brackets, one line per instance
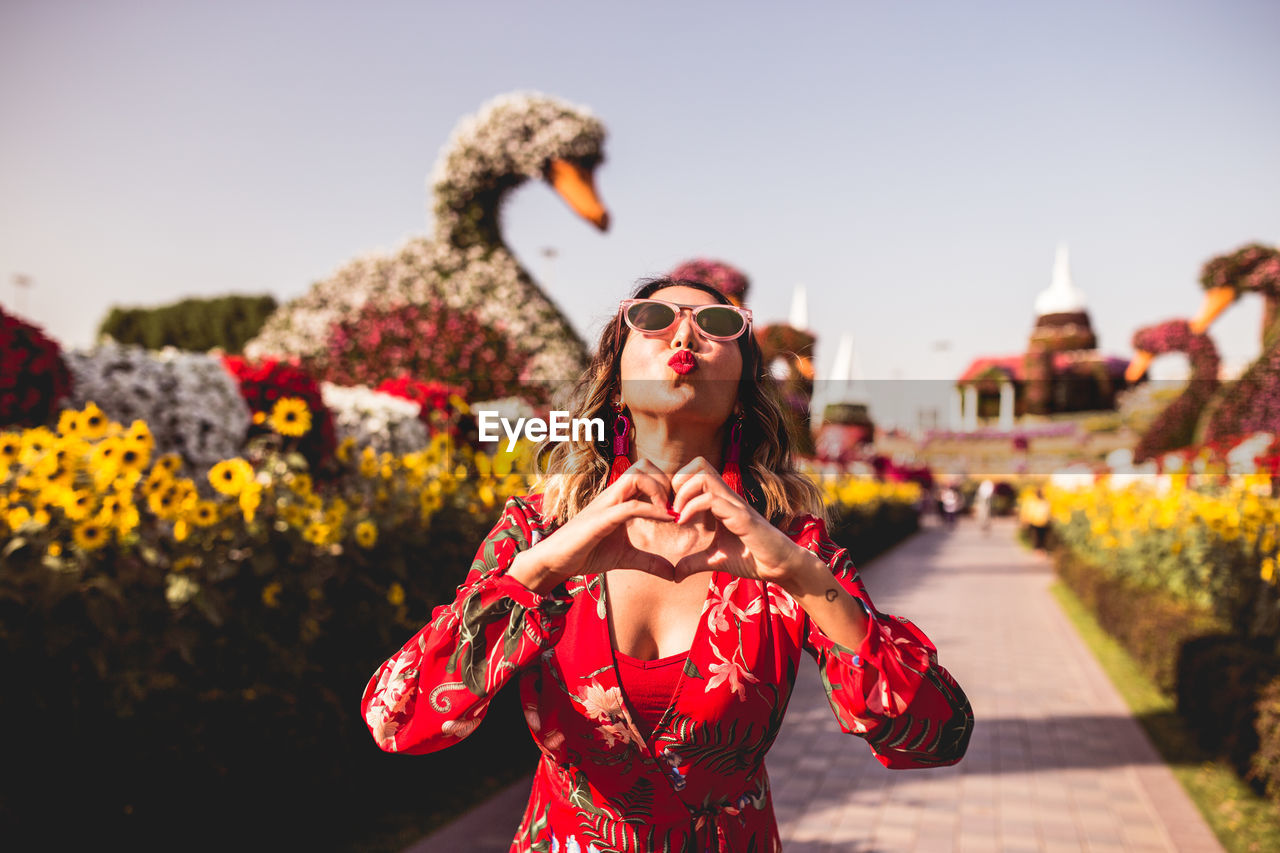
[721, 321]
[650, 316]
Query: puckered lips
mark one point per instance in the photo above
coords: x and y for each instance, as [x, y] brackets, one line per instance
[683, 362]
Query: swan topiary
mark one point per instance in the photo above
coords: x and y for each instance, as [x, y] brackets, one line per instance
[1174, 428]
[465, 261]
[1250, 403]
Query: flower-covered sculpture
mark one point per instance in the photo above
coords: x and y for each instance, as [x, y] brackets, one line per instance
[1250, 403]
[191, 405]
[727, 279]
[431, 339]
[466, 261]
[1175, 426]
[33, 375]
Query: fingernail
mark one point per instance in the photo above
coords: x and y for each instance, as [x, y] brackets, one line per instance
[671, 512]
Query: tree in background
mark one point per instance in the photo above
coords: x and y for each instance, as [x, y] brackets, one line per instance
[226, 322]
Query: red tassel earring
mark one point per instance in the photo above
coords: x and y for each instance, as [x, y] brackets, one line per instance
[621, 439]
[731, 474]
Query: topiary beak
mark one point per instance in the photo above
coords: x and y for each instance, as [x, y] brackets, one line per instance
[1216, 300]
[1137, 367]
[577, 186]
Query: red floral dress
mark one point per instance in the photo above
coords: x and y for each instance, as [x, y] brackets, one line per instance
[698, 781]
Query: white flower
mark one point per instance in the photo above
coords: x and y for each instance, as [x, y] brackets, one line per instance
[727, 671]
[190, 402]
[375, 419]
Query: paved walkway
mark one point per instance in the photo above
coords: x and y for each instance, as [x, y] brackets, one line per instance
[1056, 762]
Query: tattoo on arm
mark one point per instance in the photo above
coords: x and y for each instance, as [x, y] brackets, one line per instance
[832, 594]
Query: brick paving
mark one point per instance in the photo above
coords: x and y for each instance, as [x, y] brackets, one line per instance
[1056, 763]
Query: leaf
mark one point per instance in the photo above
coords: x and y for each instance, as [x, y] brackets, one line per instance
[580, 796]
[691, 669]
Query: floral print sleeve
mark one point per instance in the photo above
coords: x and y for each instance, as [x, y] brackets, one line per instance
[436, 689]
[890, 690]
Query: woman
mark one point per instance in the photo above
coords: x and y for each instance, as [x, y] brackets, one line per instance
[653, 609]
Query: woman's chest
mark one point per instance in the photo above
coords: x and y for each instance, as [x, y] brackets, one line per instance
[650, 617]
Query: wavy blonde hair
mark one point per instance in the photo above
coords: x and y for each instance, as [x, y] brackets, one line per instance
[575, 472]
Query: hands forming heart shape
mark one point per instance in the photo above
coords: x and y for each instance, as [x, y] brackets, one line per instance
[670, 527]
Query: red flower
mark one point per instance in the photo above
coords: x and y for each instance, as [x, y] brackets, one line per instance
[264, 383]
[32, 362]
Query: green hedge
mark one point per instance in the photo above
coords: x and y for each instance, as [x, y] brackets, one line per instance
[866, 534]
[1227, 687]
[227, 322]
[1266, 762]
[1151, 623]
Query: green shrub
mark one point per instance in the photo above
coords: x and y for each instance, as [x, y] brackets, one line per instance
[1266, 761]
[866, 534]
[1151, 623]
[1219, 681]
[226, 322]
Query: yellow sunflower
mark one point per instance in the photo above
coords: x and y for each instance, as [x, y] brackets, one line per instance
[17, 516]
[230, 476]
[35, 444]
[69, 423]
[77, 504]
[139, 433]
[317, 533]
[134, 456]
[205, 513]
[395, 595]
[93, 423]
[170, 464]
[90, 535]
[164, 501]
[10, 447]
[366, 534]
[126, 520]
[290, 416]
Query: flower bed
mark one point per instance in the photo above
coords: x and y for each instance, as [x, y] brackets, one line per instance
[869, 516]
[196, 651]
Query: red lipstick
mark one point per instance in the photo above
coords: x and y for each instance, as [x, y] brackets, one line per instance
[683, 362]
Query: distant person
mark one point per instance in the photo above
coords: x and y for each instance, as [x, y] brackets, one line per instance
[951, 501]
[1035, 515]
[982, 503]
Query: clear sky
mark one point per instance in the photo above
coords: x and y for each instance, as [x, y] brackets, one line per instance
[914, 165]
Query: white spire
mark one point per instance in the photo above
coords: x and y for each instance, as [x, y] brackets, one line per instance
[842, 370]
[846, 382]
[799, 309]
[1061, 295]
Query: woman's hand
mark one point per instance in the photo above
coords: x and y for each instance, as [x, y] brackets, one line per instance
[595, 540]
[747, 545]
[744, 542]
